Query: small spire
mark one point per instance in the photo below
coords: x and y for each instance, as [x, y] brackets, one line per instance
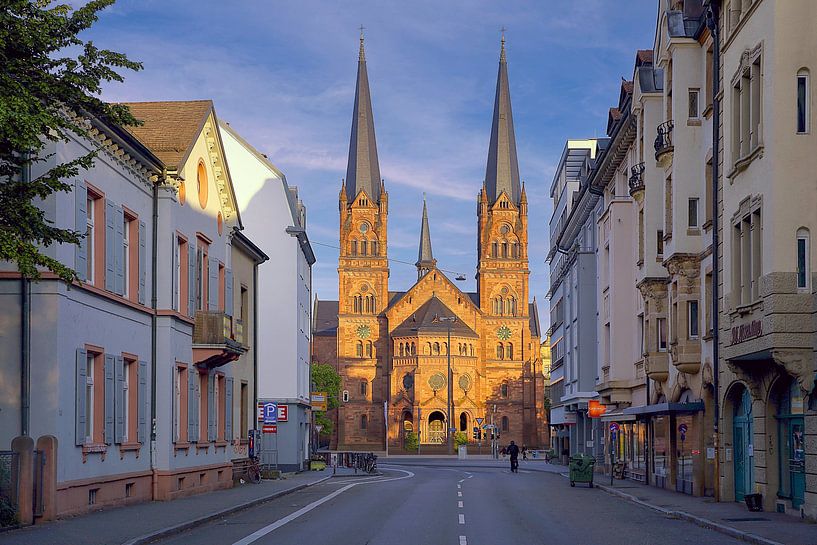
[362, 55]
[425, 259]
[502, 50]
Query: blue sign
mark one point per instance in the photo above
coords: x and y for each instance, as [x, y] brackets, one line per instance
[270, 413]
[614, 427]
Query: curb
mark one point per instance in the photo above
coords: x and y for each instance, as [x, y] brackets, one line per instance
[695, 519]
[178, 528]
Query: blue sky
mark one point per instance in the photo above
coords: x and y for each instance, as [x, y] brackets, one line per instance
[283, 74]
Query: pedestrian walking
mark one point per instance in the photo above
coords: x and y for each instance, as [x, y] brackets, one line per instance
[513, 452]
[503, 452]
[524, 452]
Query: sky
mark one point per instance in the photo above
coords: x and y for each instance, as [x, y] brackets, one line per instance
[282, 73]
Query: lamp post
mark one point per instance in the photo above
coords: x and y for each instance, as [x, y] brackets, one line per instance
[450, 390]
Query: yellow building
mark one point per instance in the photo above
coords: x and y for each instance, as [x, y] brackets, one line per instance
[391, 348]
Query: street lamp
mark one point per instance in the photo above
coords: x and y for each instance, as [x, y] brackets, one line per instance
[448, 320]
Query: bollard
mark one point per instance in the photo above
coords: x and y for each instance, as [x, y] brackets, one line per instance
[48, 445]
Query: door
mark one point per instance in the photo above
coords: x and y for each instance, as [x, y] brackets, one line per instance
[742, 441]
[793, 477]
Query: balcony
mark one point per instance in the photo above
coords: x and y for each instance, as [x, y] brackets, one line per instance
[217, 339]
[636, 182]
[657, 366]
[663, 143]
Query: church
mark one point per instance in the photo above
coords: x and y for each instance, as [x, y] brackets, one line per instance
[432, 358]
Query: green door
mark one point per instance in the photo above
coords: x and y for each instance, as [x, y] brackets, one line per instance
[791, 451]
[742, 441]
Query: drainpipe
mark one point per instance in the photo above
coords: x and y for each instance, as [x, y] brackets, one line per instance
[154, 290]
[255, 344]
[25, 332]
[712, 17]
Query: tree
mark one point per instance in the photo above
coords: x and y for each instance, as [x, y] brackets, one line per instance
[326, 379]
[50, 84]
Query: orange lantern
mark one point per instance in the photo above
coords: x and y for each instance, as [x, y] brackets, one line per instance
[595, 409]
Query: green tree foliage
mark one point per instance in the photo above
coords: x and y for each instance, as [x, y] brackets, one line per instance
[460, 438]
[326, 379]
[50, 84]
[412, 441]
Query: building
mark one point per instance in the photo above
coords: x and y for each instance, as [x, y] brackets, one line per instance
[135, 367]
[767, 375]
[276, 222]
[391, 348]
[572, 293]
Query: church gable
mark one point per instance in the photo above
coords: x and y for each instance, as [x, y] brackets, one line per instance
[434, 284]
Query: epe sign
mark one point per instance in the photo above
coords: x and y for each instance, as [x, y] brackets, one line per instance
[283, 412]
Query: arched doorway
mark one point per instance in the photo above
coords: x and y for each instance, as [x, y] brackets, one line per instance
[464, 422]
[787, 399]
[742, 438]
[436, 428]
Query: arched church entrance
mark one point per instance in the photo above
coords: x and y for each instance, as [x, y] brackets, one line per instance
[436, 428]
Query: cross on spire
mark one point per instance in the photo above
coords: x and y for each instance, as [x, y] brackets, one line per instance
[362, 55]
[502, 51]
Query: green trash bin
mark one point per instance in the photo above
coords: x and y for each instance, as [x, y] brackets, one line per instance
[581, 469]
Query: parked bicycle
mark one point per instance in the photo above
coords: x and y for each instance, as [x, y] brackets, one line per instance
[370, 463]
[254, 470]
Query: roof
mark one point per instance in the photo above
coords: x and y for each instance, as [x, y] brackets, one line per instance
[426, 320]
[533, 312]
[326, 319]
[425, 255]
[243, 242]
[170, 128]
[502, 170]
[650, 79]
[643, 56]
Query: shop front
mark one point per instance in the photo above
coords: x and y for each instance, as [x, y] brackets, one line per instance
[626, 441]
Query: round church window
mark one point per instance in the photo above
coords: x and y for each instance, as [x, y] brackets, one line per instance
[465, 382]
[436, 381]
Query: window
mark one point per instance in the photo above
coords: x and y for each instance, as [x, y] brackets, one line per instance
[746, 96]
[659, 243]
[374, 247]
[354, 247]
[413, 349]
[661, 334]
[693, 319]
[505, 250]
[130, 407]
[803, 258]
[708, 304]
[91, 235]
[668, 206]
[803, 112]
[746, 254]
[90, 413]
[245, 400]
[218, 418]
[359, 349]
[369, 349]
[494, 249]
[503, 389]
[202, 272]
[126, 258]
[180, 276]
[693, 112]
[693, 213]
[708, 196]
[509, 351]
[364, 386]
[505, 423]
[364, 421]
[201, 183]
[245, 304]
[436, 349]
[221, 281]
[500, 351]
[204, 401]
[641, 236]
[364, 247]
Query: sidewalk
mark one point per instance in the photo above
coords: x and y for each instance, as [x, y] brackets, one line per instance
[729, 518]
[144, 522]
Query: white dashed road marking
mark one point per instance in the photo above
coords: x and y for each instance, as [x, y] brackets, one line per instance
[459, 504]
[463, 540]
[462, 518]
[459, 494]
[459, 486]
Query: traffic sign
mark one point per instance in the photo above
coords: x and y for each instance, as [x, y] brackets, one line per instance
[270, 413]
[479, 421]
[270, 428]
[614, 427]
[682, 427]
[283, 412]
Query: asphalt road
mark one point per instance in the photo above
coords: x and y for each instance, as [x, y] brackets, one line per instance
[431, 503]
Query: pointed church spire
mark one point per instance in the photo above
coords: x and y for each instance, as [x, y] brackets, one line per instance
[425, 258]
[502, 172]
[362, 170]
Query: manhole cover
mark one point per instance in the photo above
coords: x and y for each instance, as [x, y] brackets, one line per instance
[747, 519]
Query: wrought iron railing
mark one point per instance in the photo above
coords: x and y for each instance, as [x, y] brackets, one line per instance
[636, 181]
[663, 138]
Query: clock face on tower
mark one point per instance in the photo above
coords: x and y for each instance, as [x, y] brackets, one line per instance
[363, 331]
[504, 333]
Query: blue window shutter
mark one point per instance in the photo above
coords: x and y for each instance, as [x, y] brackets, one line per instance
[120, 399]
[228, 411]
[191, 278]
[110, 248]
[211, 407]
[228, 292]
[110, 362]
[212, 284]
[192, 404]
[81, 409]
[143, 263]
[119, 246]
[81, 226]
[142, 402]
[176, 304]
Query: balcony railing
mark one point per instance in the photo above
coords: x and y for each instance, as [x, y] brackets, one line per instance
[636, 181]
[217, 328]
[663, 139]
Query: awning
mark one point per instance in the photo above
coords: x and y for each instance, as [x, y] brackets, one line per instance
[617, 416]
[666, 408]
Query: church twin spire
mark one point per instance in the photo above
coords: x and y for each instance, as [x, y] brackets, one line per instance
[425, 257]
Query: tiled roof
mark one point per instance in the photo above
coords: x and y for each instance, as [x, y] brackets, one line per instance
[326, 319]
[425, 320]
[643, 56]
[170, 128]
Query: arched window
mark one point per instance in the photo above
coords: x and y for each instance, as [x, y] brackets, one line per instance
[494, 249]
[364, 421]
[500, 351]
[345, 396]
[503, 390]
[374, 247]
[505, 249]
[402, 349]
[505, 423]
[369, 349]
[803, 98]
[445, 348]
[463, 422]
[436, 349]
[354, 247]
[471, 346]
[359, 349]
[413, 349]
[509, 351]
[364, 247]
[803, 258]
[364, 388]
[428, 349]
[514, 250]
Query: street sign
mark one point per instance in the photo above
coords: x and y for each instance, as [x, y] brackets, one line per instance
[283, 412]
[614, 427]
[682, 428]
[270, 428]
[318, 400]
[479, 421]
[270, 413]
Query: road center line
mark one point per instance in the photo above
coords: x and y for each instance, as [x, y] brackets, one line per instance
[459, 504]
[459, 494]
[463, 540]
[461, 481]
[462, 518]
[258, 534]
[459, 486]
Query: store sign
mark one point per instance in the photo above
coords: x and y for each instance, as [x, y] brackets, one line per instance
[595, 409]
[744, 332]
